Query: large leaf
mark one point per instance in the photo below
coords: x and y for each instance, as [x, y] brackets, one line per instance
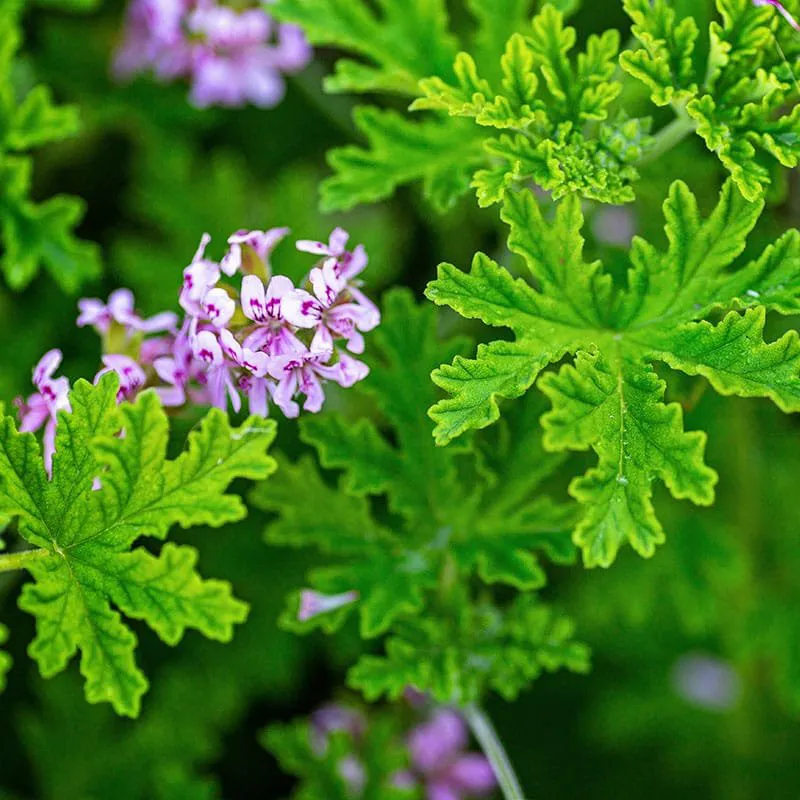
[84, 564]
[611, 400]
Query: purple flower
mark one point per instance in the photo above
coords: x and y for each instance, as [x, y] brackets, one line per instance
[301, 372]
[252, 381]
[216, 375]
[264, 307]
[328, 311]
[175, 370]
[437, 756]
[707, 682]
[348, 264]
[228, 346]
[131, 375]
[332, 718]
[154, 28]
[120, 309]
[335, 717]
[218, 307]
[199, 278]
[231, 57]
[312, 603]
[42, 407]
[262, 243]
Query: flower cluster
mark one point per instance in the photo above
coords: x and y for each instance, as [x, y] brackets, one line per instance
[439, 760]
[268, 343]
[437, 752]
[231, 57]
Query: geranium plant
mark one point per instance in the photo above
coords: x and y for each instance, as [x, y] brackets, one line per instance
[439, 458]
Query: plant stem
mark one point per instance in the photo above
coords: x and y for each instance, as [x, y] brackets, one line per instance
[490, 743]
[12, 561]
[668, 137]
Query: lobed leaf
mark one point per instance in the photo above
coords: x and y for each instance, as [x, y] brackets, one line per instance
[611, 400]
[402, 40]
[438, 517]
[35, 235]
[85, 564]
[742, 103]
[455, 662]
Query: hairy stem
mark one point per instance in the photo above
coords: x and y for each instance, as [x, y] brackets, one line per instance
[669, 136]
[483, 730]
[20, 560]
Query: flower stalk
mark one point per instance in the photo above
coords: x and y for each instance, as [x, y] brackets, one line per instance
[486, 735]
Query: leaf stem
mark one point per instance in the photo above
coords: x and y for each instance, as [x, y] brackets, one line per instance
[483, 730]
[20, 560]
[669, 136]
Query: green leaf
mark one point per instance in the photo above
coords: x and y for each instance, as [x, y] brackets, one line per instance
[735, 360]
[41, 234]
[744, 103]
[182, 732]
[617, 409]
[5, 658]
[35, 234]
[480, 647]
[85, 564]
[664, 63]
[547, 99]
[438, 517]
[381, 753]
[611, 400]
[440, 153]
[401, 40]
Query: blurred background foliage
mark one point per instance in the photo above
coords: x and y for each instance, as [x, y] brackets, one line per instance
[695, 688]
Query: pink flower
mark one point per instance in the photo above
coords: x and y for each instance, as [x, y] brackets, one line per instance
[218, 307]
[131, 375]
[175, 370]
[199, 278]
[153, 29]
[272, 333]
[42, 407]
[231, 57]
[301, 372]
[312, 603]
[329, 311]
[120, 309]
[216, 375]
[252, 381]
[330, 719]
[437, 756]
[261, 242]
[270, 343]
[348, 265]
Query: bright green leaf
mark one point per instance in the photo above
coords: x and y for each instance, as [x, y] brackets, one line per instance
[85, 564]
[611, 400]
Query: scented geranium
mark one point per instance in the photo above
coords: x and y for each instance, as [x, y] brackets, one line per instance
[231, 56]
[253, 340]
